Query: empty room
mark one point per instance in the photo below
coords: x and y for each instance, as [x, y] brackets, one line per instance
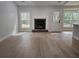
[39, 29]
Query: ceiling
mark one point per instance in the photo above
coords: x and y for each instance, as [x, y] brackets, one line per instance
[47, 3]
[40, 3]
[72, 3]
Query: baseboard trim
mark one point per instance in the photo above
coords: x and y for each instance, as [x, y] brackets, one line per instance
[55, 31]
[5, 37]
[75, 37]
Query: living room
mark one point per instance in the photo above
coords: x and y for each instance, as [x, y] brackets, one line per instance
[39, 29]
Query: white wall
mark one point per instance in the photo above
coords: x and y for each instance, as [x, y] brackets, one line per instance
[42, 12]
[8, 18]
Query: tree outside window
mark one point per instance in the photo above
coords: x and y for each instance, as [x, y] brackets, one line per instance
[70, 17]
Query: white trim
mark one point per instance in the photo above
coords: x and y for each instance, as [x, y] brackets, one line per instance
[75, 37]
[5, 37]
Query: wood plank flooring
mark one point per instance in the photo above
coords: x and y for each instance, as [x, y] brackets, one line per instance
[40, 45]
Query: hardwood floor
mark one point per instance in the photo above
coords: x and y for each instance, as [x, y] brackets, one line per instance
[37, 44]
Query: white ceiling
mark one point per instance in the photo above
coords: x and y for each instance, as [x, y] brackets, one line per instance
[72, 3]
[47, 3]
[40, 3]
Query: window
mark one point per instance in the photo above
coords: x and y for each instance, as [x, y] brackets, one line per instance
[25, 21]
[70, 17]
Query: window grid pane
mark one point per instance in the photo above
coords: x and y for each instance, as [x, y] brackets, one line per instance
[25, 20]
[70, 18]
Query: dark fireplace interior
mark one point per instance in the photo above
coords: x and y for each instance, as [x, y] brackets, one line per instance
[40, 23]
